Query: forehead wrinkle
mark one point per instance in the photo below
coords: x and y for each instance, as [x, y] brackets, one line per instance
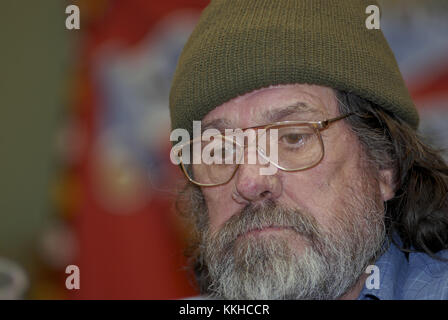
[280, 113]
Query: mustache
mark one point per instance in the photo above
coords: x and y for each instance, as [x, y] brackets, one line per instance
[268, 214]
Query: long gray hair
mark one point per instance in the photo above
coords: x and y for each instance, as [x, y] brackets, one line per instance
[418, 212]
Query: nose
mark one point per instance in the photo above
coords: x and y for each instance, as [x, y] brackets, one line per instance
[251, 186]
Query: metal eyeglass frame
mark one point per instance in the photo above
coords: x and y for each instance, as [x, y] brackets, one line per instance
[317, 126]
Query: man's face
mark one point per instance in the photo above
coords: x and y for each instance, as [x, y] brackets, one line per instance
[286, 235]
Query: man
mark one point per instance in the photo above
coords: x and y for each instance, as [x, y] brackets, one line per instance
[355, 189]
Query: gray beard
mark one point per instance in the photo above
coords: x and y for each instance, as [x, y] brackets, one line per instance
[266, 266]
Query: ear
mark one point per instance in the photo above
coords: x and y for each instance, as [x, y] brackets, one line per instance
[387, 185]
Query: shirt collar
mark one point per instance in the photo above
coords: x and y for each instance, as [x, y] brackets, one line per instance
[392, 266]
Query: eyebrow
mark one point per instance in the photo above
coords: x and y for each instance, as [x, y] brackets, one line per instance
[271, 115]
[280, 113]
[219, 124]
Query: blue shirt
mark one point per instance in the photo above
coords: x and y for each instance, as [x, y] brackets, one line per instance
[419, 278]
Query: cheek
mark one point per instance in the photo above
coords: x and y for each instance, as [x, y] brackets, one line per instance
[220, 205]
[306, 191]
[319, 190]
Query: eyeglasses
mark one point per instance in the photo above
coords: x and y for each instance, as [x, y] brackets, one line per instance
[292, 146]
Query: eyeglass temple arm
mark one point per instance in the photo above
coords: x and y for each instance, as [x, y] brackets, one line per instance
[326, 123]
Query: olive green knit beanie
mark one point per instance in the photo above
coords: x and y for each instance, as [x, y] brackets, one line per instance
[242, 45]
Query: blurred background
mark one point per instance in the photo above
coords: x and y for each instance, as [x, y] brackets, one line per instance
[85, 176]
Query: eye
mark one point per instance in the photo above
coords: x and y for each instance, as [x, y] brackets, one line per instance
[292, 138]
[219, 147]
